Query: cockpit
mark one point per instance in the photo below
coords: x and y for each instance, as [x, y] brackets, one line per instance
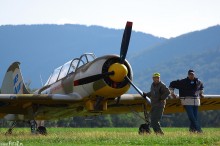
[69, 67]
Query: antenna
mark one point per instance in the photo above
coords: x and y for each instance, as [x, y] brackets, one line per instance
[42, 84]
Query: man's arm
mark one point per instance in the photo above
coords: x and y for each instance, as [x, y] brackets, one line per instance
[165, 92]
[173, 85]
[201, 94]
[172, 93]
[201, 90]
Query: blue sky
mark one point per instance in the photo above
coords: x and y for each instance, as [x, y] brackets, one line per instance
[163, 18]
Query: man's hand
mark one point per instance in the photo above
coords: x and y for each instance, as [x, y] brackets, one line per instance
[201, 95]
[144, 94]
[173, 95]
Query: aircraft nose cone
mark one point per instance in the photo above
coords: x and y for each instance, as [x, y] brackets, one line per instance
[120, 71]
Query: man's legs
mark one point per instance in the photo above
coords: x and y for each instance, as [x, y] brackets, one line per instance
[156, 114]
[197, 124]
[191, 128]
[192, 115]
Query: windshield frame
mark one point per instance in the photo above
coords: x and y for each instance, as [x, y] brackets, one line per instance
[84, 59]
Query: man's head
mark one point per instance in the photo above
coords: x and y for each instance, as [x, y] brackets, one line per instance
[156, 77]
[191, 74]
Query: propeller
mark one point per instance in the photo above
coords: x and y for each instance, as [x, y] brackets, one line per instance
[123, 53]
[138, 90]
[92, 78]
[117, 72]
[125, 41]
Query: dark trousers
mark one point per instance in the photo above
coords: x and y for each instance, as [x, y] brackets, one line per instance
[156, 114]
[192, 112]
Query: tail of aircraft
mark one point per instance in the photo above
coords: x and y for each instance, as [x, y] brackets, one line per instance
[13, 82]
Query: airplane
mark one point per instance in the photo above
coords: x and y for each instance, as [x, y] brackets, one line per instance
[84, 86]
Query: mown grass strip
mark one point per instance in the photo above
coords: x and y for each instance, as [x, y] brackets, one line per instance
[111, 136]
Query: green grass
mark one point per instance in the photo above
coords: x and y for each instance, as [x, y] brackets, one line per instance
[111, 136]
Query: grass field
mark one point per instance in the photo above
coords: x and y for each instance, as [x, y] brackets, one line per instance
[109, 136]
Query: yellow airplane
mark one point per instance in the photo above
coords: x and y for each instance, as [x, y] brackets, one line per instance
[84, 86]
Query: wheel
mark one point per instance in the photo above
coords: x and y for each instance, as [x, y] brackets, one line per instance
[42, 130]
[144, 129]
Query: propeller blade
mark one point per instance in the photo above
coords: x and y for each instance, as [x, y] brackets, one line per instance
[125, 41]
[90, 79]
[138, 90]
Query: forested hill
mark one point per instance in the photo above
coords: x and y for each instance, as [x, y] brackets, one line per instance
[199, 50]
[206, 64]
[187, 44]
[42, 48]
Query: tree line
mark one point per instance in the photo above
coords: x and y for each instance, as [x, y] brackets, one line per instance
[207, 119]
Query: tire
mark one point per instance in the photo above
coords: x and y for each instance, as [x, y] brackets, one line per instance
[144, 129]
[42, 130]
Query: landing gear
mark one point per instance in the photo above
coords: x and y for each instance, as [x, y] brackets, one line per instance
[34, 130]
[9, 132]
[42, 130]
[33, 125]
[145, 128]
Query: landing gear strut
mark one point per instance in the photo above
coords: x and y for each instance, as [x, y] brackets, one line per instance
[145, 128]
[9, 132]
[33, 125]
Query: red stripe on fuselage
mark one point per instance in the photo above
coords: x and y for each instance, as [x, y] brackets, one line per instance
[75, 83]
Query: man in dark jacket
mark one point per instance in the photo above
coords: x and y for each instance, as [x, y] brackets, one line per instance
[158, 94]
[190, 91]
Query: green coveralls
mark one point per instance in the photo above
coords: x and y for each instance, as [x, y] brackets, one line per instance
[158, 94]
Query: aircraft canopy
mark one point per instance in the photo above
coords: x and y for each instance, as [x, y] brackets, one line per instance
[69, 67]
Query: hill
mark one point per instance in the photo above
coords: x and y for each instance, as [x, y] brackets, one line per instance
[199, 50]
[190, 43]
[42, 48]
[206, 65]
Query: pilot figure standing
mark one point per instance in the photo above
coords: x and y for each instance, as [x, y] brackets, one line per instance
[158, 94]
[190, 89]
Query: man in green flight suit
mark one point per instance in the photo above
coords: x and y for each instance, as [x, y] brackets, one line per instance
[158, 94]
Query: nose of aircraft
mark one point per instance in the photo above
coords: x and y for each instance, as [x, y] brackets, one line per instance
[120, 72]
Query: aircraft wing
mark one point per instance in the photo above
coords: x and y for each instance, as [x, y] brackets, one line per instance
[18, 103]
[210, 102]
[134, 102]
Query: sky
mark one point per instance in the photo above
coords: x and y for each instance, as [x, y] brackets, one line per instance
[162, 18]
